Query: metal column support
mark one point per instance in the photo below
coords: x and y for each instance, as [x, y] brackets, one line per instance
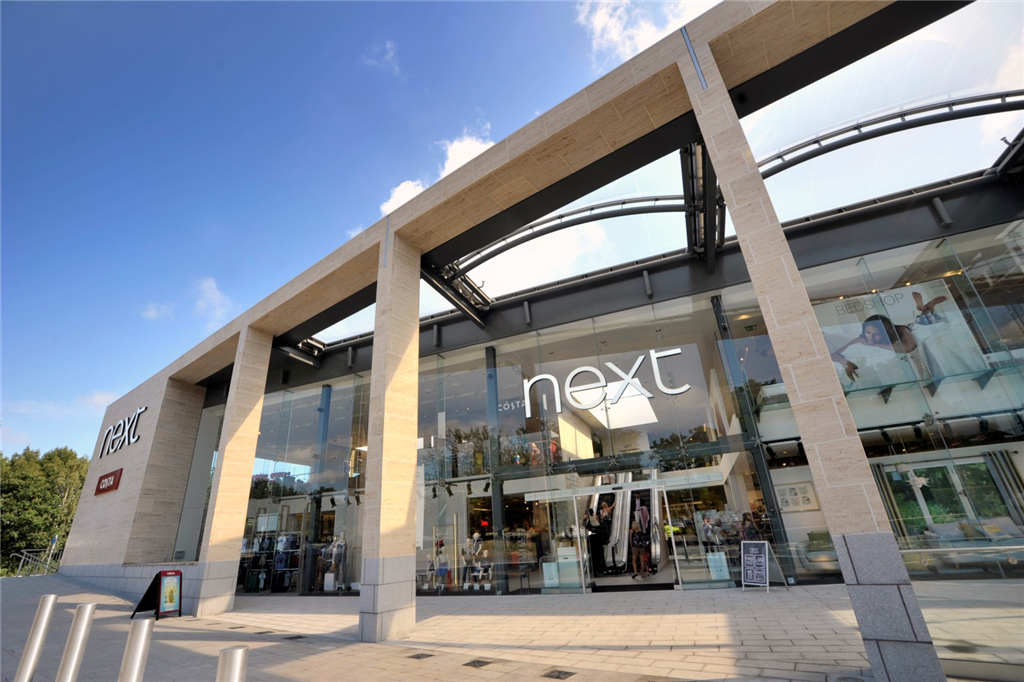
[74, 650]
[36, 639]
[737, 381]
[705, 213]
[494, 464]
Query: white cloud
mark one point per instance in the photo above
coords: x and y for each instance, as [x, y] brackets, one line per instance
[12, 441]
[91, 405]
[158, 311]
[211, 303]
[385, 58]
[457, 153]
[559, 255]
[401, 194]
[621, 29]
[464, 148]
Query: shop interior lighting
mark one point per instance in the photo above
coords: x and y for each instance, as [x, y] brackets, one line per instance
[333, 503]
[469, 488]
[358, 501]
[433, 492]
[487, 486]
[448, 489]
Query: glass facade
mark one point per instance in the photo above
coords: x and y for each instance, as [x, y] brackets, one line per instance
[539, 452]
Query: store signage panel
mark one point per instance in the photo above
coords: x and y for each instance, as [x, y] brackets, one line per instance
[121, 434]
[108, 483]
[754, 560]
[596, 391]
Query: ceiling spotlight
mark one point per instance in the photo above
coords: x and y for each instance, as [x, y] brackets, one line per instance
[358, 501]
[434, 492]
[448, 489]
[487, 486]
[469, 488]
[333, 503]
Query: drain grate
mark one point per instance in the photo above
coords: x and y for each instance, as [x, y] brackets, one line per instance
[296, 637]
[477, 663]
[420, 657]
[558, 674]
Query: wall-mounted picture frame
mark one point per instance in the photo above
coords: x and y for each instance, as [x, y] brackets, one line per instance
[797, 497]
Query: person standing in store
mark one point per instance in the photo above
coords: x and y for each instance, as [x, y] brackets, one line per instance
[639, 544]
[748, 529]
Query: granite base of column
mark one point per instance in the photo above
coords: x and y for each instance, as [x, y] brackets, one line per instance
[891, 624]
[387, 598]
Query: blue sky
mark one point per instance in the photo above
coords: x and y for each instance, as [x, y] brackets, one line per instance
[167, 165]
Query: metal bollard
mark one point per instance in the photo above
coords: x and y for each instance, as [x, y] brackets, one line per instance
[136, 651]
[74, 650]
[36, 639]
[232, 664]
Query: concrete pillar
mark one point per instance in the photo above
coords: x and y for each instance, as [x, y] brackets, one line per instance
[891, 624]
[387, 600]
[232, 478]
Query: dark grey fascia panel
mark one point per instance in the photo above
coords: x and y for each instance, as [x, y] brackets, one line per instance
[884, 27]
[360, 300]
[975, 204]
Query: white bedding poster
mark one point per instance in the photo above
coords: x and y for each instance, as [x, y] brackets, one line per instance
[899, 335]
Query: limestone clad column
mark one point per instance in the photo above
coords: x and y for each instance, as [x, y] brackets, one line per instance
[232, 478]
[387, 599]
[894, 632]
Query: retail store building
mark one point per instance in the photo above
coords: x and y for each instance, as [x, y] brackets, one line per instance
[846, 386]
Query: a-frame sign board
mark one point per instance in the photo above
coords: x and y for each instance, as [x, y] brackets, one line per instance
[163, 595]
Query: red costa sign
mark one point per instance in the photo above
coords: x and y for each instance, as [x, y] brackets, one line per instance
[109, 482]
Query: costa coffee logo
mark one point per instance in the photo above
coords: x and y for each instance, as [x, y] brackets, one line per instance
[629, 379]
[120, 434]
[108, 482]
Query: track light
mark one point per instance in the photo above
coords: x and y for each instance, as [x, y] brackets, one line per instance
[771, 453]
[487, 486]
[358, 501]
[885, 436]
[433, 493]
[333, 503]
[469, 488]
[448, 489]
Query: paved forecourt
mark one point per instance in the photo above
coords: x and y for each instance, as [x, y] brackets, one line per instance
[803, 633]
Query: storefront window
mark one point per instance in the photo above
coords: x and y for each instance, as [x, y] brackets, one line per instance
[302, 531]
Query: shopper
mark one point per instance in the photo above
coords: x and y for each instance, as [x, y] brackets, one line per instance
[748, 529]
[639, 544]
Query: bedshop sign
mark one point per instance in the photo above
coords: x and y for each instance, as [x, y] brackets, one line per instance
[121, 434]
[628, 379]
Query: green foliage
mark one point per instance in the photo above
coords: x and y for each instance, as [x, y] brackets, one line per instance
[38, 499]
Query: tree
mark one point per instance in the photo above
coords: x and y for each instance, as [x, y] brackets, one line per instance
[38, 499]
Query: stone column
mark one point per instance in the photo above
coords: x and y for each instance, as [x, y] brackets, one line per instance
[891, 624]
[387, 599]
[232, 478]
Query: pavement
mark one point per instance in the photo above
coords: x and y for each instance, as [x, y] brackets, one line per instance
[800, 633]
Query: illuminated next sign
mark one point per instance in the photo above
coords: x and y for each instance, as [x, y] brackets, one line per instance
[629, 379]
[120, 434]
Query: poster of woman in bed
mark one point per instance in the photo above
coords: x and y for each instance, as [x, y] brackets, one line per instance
[907, 334]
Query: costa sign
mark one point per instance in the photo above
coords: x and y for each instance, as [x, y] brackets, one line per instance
[629, 379]
[108, 482]
[120, 434]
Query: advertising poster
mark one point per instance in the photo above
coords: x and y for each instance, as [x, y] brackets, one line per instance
[170, 592]
[913, 333]
[755, 563]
